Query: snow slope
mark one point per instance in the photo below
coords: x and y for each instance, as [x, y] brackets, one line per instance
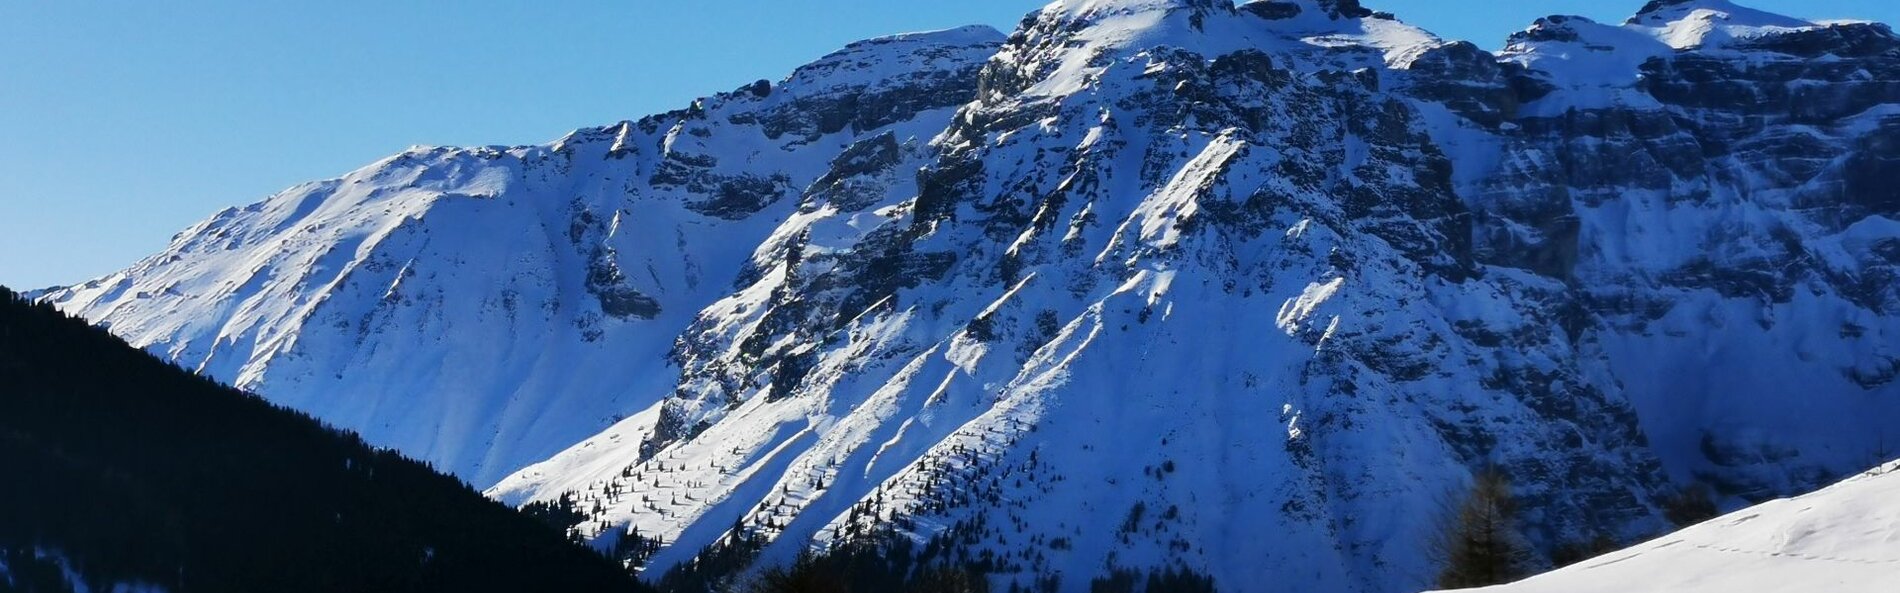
[1242, 288]
[483, 308]
[1705, 24]
[1842, 539]
[1152, 306]
[1715, 205]
[1115, 237]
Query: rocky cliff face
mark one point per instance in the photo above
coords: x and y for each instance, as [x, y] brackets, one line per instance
[1247, 289]
[1707, 198]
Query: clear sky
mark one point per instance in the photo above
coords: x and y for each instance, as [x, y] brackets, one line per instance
[123, 122]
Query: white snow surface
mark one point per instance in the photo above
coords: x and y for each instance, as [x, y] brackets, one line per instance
[1598, 65]
[1691, 24]
[439, 301]
[1137, 367]
[1842, 539]
[1176, 284]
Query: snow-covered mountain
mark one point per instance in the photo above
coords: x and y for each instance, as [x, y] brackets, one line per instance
[1841, 539]
[484, 308]
[1248, 289]
[1723, 213]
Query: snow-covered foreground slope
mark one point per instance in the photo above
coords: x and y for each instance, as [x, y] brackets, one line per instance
[1246, 289]
[1842, 539]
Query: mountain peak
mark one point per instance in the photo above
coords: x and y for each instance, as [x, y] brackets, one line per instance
[965, 35]
[945, 291]
[1656, 6]
[1285, 9]
[1686, 24]
[898, 56]
[1129, 14]
[1125, 6]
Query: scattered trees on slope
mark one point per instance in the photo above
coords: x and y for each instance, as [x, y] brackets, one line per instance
[885, 564]
[858, 568]
[1165, 580]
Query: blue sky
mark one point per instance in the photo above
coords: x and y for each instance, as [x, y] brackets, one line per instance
[123, 122]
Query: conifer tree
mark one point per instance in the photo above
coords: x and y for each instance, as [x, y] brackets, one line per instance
[1689, 506]
[1479, 543]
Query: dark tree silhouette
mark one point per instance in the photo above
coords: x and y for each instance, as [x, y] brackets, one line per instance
[131, 470]
[1479, 542]
[1689, 506]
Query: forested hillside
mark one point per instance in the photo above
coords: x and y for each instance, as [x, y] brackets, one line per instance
[118, 470]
